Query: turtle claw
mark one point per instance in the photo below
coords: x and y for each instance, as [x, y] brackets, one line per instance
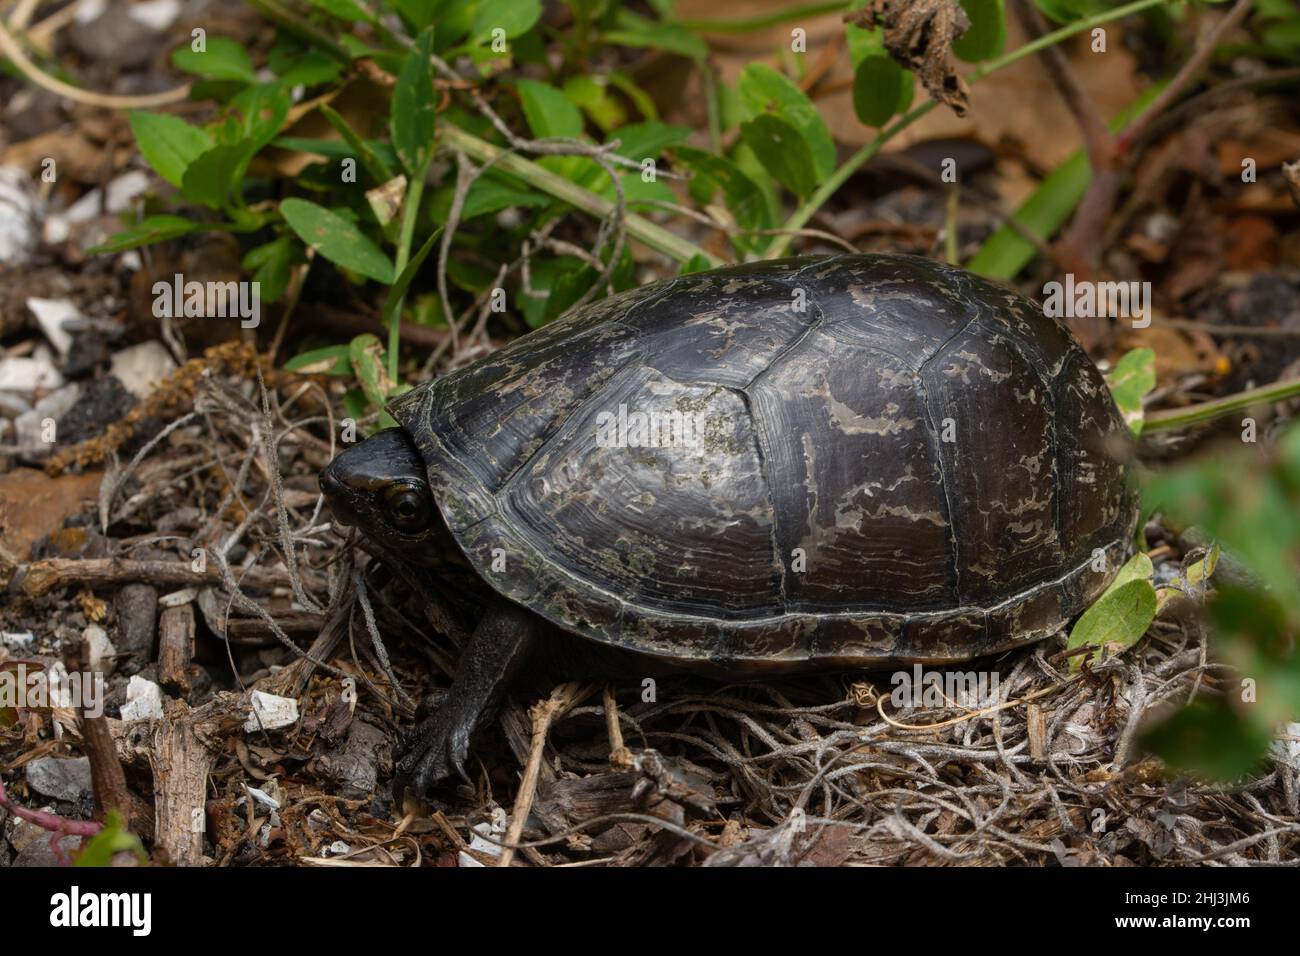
[438, 747]
[435, 750]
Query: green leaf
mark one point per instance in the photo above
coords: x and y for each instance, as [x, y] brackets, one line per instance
[333, 360]
[594, 98]
[414, 108]
[271, 264]
[639, 97]
[152, 230]
[257, 115]
[647, 140]
[1208, 737]
[632, 29]
[396, 293]
[378, 168]
[311, 69]
[223, 59]
[111, 840]
[366, 354]
[764, 91]
[338, 240]
[987, 34]
[346, 10]
[418, 14]
[490, 194]
[548, 111]
[695, 263]
[543, 275]
[1123, 612]
[744, 199]
[877, 89]
[168, 143]
[354, 403]
[515, 17]
[1133, 377]
[207, 180]
[1067, 11]
[1245, 503]
[783, 152]
[863, 43]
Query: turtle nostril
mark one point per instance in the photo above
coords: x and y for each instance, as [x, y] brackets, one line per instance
[334, 491]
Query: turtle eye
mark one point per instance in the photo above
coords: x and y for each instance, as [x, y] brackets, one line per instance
[407, 508]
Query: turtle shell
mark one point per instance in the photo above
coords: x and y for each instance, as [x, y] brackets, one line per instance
[820, 461]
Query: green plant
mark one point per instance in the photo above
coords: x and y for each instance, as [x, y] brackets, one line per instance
[597, 142]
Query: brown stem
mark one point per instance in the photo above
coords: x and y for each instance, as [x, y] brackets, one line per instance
[1183, 78]
[43, 576]
[108, 780]
[1079, 248]
[1098, 139]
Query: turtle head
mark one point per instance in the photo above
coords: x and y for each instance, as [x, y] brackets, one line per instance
[381, 487]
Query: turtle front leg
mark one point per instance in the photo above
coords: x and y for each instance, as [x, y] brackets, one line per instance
[438, 747]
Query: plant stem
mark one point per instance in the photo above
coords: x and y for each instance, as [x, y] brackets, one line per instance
[800, 217]
[410, 211]
[276, 13]
[763, 21]
[641, 229]
[1205, 411]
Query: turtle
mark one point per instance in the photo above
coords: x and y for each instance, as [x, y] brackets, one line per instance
[809, 463]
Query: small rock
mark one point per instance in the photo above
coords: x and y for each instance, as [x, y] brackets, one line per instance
[18, 643]
[271, 712]
[33, 845]
[480, 845]
[262, 797]
[23, 373]
[111, 40]
[121, 193]
[31, 427]
[13, 405]
[337, 848]
[62, 778]
[52, 315]
[144, 700]
[157, 15]
[100, 652]
[141, 367]
[177, 598]
[20, 215]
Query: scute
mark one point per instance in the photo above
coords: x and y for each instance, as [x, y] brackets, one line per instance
[896, 461]
[681, 527]
[874, 539]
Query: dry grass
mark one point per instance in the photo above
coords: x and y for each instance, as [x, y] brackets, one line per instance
[813, 770]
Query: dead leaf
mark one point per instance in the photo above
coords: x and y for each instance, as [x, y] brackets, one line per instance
[1252, 243]
[919, 34]
[1269, 147]
[33, 505]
